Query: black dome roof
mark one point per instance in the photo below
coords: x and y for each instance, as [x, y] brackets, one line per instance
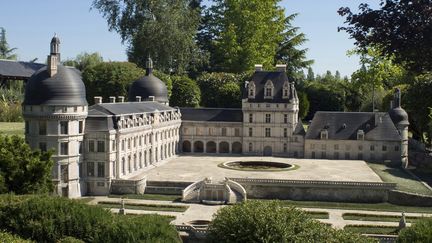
[149, 85]
[399, 116]
[64, 88]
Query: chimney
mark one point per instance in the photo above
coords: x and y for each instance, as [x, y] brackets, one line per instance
[120, 99]
[151, 98]
[258, 67]
[52, 65]
[112, 99]
[98, 99]
[138, 98]
[281, 67]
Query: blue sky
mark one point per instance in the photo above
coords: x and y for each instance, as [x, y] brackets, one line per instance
[30, 24]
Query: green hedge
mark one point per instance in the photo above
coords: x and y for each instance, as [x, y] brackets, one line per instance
[421, 231]
[51, 219]
[6, 237]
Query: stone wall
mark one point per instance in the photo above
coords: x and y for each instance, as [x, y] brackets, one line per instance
[409, 199]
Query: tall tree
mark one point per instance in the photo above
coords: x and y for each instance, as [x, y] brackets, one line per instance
[400, 28]
[162, 29]
[84, 60]
[241, 33]
[5, 51]
[310, 75]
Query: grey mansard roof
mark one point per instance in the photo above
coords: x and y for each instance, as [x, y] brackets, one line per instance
[108, 109]
[18, 70]
[212, 114]
[344, 126]
[278, 79]
[64, 88]
[299, 129]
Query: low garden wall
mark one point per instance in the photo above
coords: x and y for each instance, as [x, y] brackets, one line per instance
[128, 186]
[409, 199]
[303, 190]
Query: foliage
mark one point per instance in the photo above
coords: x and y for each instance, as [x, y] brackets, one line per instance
[10, 238]
[70, 239]
[110, 79]
[163, 29]
[239, 34]
[84, 60]
[185, 93]
[400, 29]
[49, 219]
[11, 97]
[324, 97]
[421, 231]
[5, 51]
[304, 104]
[23, 170]
[259, 221]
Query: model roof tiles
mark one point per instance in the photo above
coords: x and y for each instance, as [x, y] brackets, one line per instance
[212, 114]
[107, 109]
[278, 78]
[15, 69]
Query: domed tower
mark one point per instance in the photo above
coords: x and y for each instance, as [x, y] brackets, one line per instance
[149, 87]
[400, 119]
[54, 110]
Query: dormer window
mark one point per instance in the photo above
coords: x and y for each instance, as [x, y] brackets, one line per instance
[360, 135]
[268, 90]
[251, 90]
[324, 134]
[285, 90]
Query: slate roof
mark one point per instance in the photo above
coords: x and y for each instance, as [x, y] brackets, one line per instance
[108, 109]
[19, 70]
[97, 124]
[278, 78]
[148, 85]
[64, 88]
[299, 129]
[344, 126]
[212, 114]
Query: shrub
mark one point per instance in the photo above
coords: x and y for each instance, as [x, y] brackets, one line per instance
[6, 237]
[258, 221]
[52, 219]
[421, 231]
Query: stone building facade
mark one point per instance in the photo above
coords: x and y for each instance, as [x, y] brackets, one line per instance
[115, 142]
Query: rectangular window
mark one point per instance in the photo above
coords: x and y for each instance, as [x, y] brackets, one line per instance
[384, 148]
[372, 148]
[336, 146]
[64, 148]
[114, 168]
[250, 147]
[113, 145]
[101, 169]
[267, 118]
[268, 91]
[123, 145]
[250, 132]
[90, 169]
[79, 147]
[250, 118]
[64, 128]
[91, 146]
[360, 147]
[140, 141]
[313, 155]
[134, 142]
[267, 132]
[285, 132]
[347, 155]
[43, 147]
[42, 128]
[101, 146]
[285, 118]
[224, 131]
[323, 155]
[80, 127]
[64, 173]
[80, 170]
[336, 155]
[285, 147]
[129, 143]
[237, 132]
[360, 156]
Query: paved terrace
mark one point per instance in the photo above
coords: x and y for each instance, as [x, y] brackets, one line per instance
[194, 168]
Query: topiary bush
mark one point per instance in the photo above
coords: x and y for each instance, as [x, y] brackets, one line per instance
[420, 231]
[51, 219]
[260, 221]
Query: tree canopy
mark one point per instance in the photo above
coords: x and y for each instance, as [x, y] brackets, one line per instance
[162, 29]
[400, 28]
[185, 92]
[84, 60]
[5, 51]
[22, 170]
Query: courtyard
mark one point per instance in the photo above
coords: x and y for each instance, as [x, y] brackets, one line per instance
[187, 168]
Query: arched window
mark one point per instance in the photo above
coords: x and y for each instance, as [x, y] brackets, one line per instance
[251, 90]
[285, 90]
[268, 90]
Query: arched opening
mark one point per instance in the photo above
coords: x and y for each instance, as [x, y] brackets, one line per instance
[223, 147]
[267, 151]
[198, 147]
[236, 148]
[211, 147]
[186, 148]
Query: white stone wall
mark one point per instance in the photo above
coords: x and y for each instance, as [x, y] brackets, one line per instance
[43, 129]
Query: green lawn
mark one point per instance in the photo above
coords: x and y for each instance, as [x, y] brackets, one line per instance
[358, 206]
[318, 215]
[376, 217]
[405, 182]
[158, 197]
[12, 128]
[148, 207]
[372, 229]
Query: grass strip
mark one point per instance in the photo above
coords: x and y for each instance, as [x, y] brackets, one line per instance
[85, 199]
[147, 207]
[372, 229]
[356, 206]
[376, 217]
[157, 197]
[318, 215]
[12, 128]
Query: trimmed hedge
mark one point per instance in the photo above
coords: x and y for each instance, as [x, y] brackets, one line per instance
[421, 231]
[51, 219]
